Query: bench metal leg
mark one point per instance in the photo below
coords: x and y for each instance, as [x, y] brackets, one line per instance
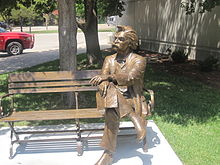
[13, 132]
[79, 142]
[79, 148]
[11, 125]
[11, 146]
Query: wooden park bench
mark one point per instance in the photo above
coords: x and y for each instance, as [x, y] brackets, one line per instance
[51, 82]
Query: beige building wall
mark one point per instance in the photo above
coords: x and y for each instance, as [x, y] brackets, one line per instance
[163, 24]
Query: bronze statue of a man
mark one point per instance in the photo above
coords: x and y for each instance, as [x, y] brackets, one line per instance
[120, 93]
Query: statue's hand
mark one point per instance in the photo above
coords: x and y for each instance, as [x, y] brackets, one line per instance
[103, 88]
[98, 79]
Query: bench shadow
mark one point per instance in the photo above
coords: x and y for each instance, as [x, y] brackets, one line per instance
[53, 146]
[127, 146]
[56, 146]
[4, 130]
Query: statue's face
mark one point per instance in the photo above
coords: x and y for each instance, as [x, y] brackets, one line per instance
[121, 43]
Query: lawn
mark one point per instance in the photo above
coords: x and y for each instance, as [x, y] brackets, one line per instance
[187, 112]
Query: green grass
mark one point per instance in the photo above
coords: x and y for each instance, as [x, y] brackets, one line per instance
[186, 111]
[42, 31]
[195, 144]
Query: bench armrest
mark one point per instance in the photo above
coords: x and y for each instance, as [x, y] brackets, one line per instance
[151, 102]
[1, 108]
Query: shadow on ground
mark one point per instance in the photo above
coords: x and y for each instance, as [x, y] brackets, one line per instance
[90, 145]
[181, 100]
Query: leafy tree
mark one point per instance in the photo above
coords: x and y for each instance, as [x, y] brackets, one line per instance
[31, 15]
[45, 6]
[5, 8]
[203, 5]
[21, 10]
[23, 13]
[88, 10]
[110, 7]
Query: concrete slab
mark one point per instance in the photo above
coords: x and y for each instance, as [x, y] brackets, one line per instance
[64, 152]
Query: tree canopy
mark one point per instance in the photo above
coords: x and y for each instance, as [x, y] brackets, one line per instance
[45, 6]
[104, 8]
[23, 12]
[110, 7]
[6, 7]
[21, 7]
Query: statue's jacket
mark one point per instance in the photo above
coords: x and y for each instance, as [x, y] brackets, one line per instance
[127, 92]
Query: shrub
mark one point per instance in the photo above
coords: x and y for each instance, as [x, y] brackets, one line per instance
[179, 56]
[209, 64]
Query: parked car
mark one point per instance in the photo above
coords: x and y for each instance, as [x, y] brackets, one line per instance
[15, 42]
[4, 25]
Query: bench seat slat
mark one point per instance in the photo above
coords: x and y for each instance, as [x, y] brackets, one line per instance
[47, 84]
[53, 115]
[53, 90]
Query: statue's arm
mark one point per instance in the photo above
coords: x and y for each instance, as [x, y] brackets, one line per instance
[136, 72]
[105, 73]
[106, 66]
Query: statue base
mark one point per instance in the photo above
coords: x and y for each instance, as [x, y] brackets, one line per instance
[129, 151]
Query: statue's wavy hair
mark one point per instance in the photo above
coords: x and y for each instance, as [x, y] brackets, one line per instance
[130, 34]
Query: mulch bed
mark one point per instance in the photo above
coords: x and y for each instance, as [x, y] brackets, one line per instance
[188, 69]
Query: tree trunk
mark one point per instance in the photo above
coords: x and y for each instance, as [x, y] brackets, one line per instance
[21, 24]
[31, 21]
[46, 16]
[67, 34]
[29, 28]
[92, 43]
[90, 29]
[67, 40]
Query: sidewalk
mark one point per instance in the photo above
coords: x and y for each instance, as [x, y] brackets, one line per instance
[46, 49]
[43, 28]
[64, 152]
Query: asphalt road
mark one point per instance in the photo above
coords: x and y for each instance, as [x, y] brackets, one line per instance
[46, 49]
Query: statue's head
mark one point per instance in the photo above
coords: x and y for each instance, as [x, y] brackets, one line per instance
[125, 38]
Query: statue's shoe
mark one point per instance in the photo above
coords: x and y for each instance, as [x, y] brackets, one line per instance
[106, 159]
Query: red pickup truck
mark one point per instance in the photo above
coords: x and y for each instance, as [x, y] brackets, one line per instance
[15, 42]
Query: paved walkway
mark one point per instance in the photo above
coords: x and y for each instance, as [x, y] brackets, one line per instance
[129, 152]
[43, 28]
[46, 49]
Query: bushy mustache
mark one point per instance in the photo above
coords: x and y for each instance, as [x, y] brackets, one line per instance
[114, 45]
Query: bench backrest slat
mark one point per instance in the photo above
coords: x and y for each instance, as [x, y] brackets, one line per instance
[52, 76]
[53, 90]
[47, 82]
